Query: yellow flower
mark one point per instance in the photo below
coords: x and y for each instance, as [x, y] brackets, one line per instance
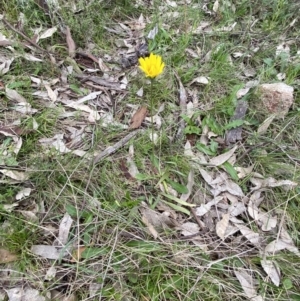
[152, 65]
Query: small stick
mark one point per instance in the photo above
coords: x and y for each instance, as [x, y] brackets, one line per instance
[111, 149]
[199, 222]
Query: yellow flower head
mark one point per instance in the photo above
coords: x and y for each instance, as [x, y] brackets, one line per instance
[152, 65]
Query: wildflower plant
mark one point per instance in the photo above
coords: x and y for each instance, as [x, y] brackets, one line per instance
[152, 66]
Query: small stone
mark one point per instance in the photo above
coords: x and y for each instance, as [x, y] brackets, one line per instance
[276, 98]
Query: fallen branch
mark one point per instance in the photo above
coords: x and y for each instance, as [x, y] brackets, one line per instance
[111, 149]
[100, 81]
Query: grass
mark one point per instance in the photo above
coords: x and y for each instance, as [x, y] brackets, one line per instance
[122, 260]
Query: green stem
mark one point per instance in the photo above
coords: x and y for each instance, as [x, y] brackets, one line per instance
[151, 112]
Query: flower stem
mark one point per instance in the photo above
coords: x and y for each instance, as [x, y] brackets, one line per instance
[151, 112]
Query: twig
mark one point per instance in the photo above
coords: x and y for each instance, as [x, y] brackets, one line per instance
[24, 36]
[100, 81]
[250, 149]
[196, 217]
[182, 104]
[111, 149]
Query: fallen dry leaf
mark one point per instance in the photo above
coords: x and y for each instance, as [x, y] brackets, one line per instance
[150, 227]
[222, 225]
[158, 220]
[278, 245]
[6, 256]
[271, 182]
[48, 33]
[204, 208]
[52, 95]
[15, 175]
[190, 184]
[265, 125]
[56, 142]
[5, 65]
[29, 215]
[252, 236]
[14, 95]
[138, 118]
[132, 168]
[26, 294]
[51, 272]
[77, 253]
[272, 270]
[248, 284]
[200, 80]
[189, 228]
[219, 160]
[70, 42]
[237, 209]
[93, 114]
[49, 252]
[64, 229]
[268, 222]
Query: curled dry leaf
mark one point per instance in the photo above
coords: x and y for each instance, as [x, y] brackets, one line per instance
[216, 6]
[150, 227]
[77, 253]
[278, 245]
[271, 182]
[132, 168]
[56, 142]
[189, 228]
[265, 125]
[268, 222]
[190, 184]
[248, 284]
[206, 176]
[48, 33]
[253, 210]
[158, 220]
[18, 144]
[15, 175]
[52, 95]
[14, 95]
[64, 229]
[138, 118]
[154, 137]
[70, 42]
[252, 236]
[222, 225]
[29, 215]
[26, 294]
[5, 65]
[242, 172]
[272, 270]
[204, 208]
[93, 114]
[51, 272]
[200, 80]
[49, 252]
[237, 209]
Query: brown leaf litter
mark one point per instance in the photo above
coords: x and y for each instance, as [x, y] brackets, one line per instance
[138, 118]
